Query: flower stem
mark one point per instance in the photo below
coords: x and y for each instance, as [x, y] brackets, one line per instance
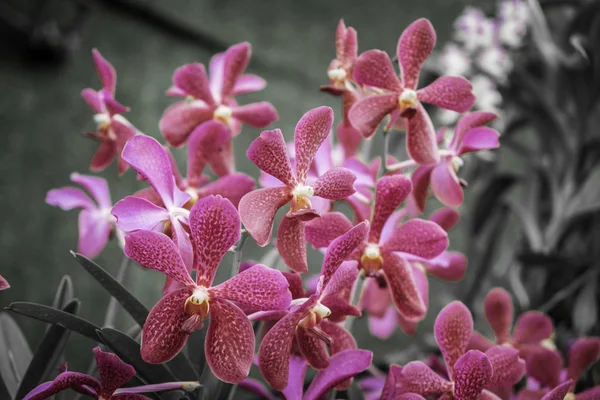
[237, 256]
[111, 311]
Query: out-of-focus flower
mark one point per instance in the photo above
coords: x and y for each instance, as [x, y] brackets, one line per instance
[486, 92]
[495, 61]
[474, 30]
[258, 208]
[400, 98]
[214, 228]
[453, 60]
[4, 283]
[113, 372]
[113, 130]
[214, 99]
[95, 220]
[514, 16]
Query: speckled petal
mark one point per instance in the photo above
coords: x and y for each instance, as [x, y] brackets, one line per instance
[335, 184]
[531, 328]
[312, 348]
[232, 187]
[507, 366]
[559, 392]
[417, 377]
[418, 237]
[421, 142]
[414, 47]
[65, 380]
[291, 244]
[374, 68]
[391, 191]
[235, 61]
[192, 79]
[402, 285]
[498, 308]
[420, 179]
[269, 153]
[366, 114]
[449, 92]
[472, 372]
[320, 232]
[214, 228]
[258, 209]
[310, 132]
[114, 373]
[181, 118]
[258, 115]
[453, 329]
[342, 282]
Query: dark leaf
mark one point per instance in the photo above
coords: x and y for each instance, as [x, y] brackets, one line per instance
[194, 348]
[213, 388]
[585, 310]
[54, 316]
[64, 293]
[48, 354]
[489, 199]
[15, 354]
[587, 198]
[132, 305]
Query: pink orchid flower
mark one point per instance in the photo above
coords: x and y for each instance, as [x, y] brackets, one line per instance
[384, 388]
[312, 323]
[113, 130]
[214, 228]
[113, 372]
[4, 283]
[469, 136]
[381, 255]
[258, 208]
[469, 372]
[95, 220]
[400, 98]
[214, 99]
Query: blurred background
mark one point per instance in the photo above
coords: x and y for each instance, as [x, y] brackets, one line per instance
[45, 61]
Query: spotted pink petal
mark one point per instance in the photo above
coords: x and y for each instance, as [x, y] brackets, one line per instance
[276, 345]
[481, 138]
[235, 61]
[450, 266]
[391, 191]
[342, 282]
[229, 344]
[421, 142]
[214, 228]
[162, 335]
[468, 122]
[342, 339]
[114, 373]
[445, 185]
[420, 180]
[375, 299]
[4, 283]
[103, 156]
[94, 232]
[391, 384]
[181, 118]
[133, 213]
[258, 209]
[312, 348]
[446, 218]
[68, 198]
[291, 244]
[414, 47]
[498, 309]
[258, 288]
[269, 153]
[233, 187]
[248, 83]
[507, 366]
[96, 186]
[106, 72]
[310, 132]
[192, 79]
[341, 367]
[544, 365]
[156, 251]
[401, 282]
[419, 237]
[409, 325]
[374, 68]
[453, 329]
[258, 115]
[583, 354]
[366, 114]
[206, 145]
[472, 372]
[531, 328]
[479, 342]
[346, 45]
[449, 92]
[417, 377]
[320, 232]
[335, 184]
[64, 381]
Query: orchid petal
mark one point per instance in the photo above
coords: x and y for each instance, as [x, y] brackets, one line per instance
[391, 191]
[258, 209]
[481, 138]
[479, 342]
[383, 327]
[507, 366]
[417, 377]
[374, 68]
[232, 187]
[133, 213]
[531, 328]
[295, 386]
[4, 283]
[583, 354]
[335, 184]
[320, 232]
[312, 348]
[104, 155]
[366, 114]
[181, 118]
[446, 186]
[498, 309]
[419, 237]
[341, 282]
[559, 392]
[68, 198]
[66, 380]
[472, 373]
[450, 266]
[421, 142]
[453, 329]
[544, 365]
[235, 61]
[468, 122]
[94, 233]
[92, 99]
[106, 72]
[449, 92]
[375, 299]
[192, 79]
[114, 373]
[420, 181]
[248, 83]
[342, 339]
[291, 244]
[97, 187]
[206, 145]
[310, 132]
[401, 282]
[414, 47]
[590, 394]
[269, 153]
[446, 218]
[258, 115]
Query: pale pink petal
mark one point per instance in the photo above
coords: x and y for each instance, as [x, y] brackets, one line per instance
[269, 153]
[375, 299]
[335, 184]
[507, 366]
[215, 70]
[446, 218]
[481, 138]
[96, 186]
[133, 213]
[383, 327]
[421, 142]
[94, 232]
[248, 83]
[4, 283]
[419, 237]
[374, 68]
[291, 244]
[472, 373]
[68, 198]
[214, 228]
[417, 377]
[235, 61]
[106, 72]
[450, 266]
[320, 232]
[532, 327]
[258, 115]
[449, 92]
[312, 348]
[233, 187]
[259, 288]
[453, 329]
[468, 122]
[181, 118]
[498, 308]
[206, 145]
[162, 336]
[446, 186]
[414, 47]
[310, 132]
[391, 191]
[366, 114]
[258, 209]
[402, 285]
[192, 79]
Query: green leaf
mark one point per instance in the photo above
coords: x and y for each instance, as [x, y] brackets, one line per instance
[132, 305]
[48, 354]
[64, 293]
[15, 354]
[54, 316]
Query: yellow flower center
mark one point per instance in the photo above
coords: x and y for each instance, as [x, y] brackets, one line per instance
[197, 303]
[371, 260]
[223, 114]
[407, 101]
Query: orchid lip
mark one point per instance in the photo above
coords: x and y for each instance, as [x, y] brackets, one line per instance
[337, 74]
[102, 120]
[223, 113]
[303, 191]
[177, 212]
[372, 251]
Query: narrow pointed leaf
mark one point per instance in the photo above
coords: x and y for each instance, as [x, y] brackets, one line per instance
[15, 354]
[64, 293]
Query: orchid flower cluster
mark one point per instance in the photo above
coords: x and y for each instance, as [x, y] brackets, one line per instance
[377, 262]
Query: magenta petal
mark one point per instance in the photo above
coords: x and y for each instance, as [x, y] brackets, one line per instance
[341, 282]
[66, 380]
[531, 328]
[375, 299]
[449, 92]
[418, 237]
[310, 132]
[391, 385]
[206, 145]
[258, 115]
[590, 394]
[507, 366]
[156, 251]
[162, 336]
[235, 61]
[446, 186]
[248, 83]
[291, 244]
[450, 266]
[4, 283]
[472, 373]
[453, 329]
[446, 218]
[420, 180]
[269, 153]
[481, 138]
[91, 97]
[559, 392]
[192, 79]
[479, 342]
[374, 68]
[257, 388]
[258, 209]
[391, 191]
[341, 367]
[583, 354]
[123, 131]
[103, 156]
[135, 213]
[417, 377]
[384, 327]
[414, 47]
[335, 184]
[366, 114]
[498, 308]
[320, 232]
[468, 122]
[259, 288]
[106, 72]
[68, 198]
[544, 365]
[342, 339]
[96, 186]
[232, 187]
[94, 233]
[421, 142]
[312, 348]
[181, 118]
[295, 387]
[114, 373]
[229, 344]
[214, 228]
[403, 287]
